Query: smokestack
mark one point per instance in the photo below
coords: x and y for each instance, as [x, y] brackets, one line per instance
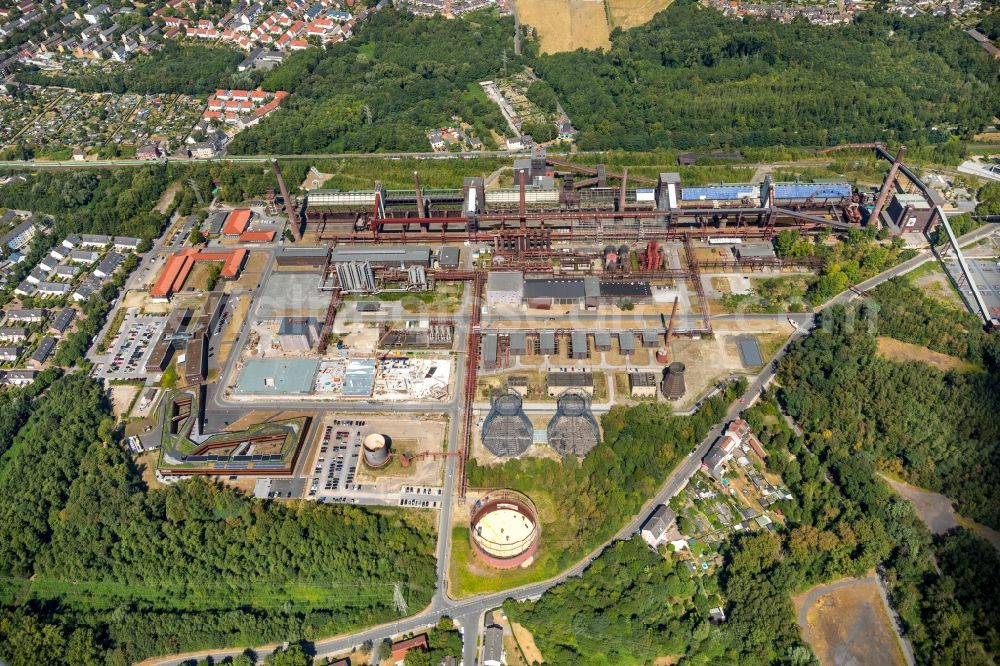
[621, 194]
[521, 205]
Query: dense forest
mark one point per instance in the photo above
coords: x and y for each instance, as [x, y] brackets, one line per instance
[97, 569]
[398, 77]
[116, 202]
[190, 69]
[693, 78]
[937, 430]
[632, 605]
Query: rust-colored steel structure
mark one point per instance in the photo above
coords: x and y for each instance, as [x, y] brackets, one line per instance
[293, 218]
[887, 185]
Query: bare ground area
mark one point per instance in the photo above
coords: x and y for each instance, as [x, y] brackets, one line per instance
[847, 624]
[566, 25]
[937, 513]
[146, 464]
[897, 350]
[121, 398]
[168, 197]
[627, 14]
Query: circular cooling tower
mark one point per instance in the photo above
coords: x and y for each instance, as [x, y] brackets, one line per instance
[376, 449]
[504, 529]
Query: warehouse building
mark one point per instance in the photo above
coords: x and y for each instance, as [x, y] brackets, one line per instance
[602, 341]
[910, 212]
[518, 343]
[547, 343]
[391, 257]
[302, 258]
[578, 346]
[449, 257]
[626, 343]
[490, 341]
[650, 339]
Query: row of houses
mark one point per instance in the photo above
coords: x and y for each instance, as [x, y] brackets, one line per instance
[85, 34]
[246, 27]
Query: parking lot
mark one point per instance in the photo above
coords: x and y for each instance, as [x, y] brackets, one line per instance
[132, 345]
[338, 459]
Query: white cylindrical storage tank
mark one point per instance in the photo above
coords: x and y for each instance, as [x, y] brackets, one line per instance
[376, 449]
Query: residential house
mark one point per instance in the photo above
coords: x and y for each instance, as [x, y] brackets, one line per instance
[19, 377]
[109, 265]
[53, 288]
[61, 322]
[43, 352]
[86, 257]
[14, 333]
[20, 235]
[95, 240]
[26, 315]
[660, 527]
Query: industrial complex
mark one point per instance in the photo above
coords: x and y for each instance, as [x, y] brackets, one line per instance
[401, 334]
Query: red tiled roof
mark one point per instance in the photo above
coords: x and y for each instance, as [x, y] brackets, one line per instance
[400, 649]
[257, 236]
[236, 222]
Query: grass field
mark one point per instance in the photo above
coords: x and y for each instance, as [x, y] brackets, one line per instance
[902, 352]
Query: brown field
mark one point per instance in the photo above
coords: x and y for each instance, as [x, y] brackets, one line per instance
[896, 350]
[121, 399]
[197, 279]
[627, 14]
[566, 25]
[527, 643]
[846, 623]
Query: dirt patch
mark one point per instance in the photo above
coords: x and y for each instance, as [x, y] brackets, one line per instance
[937, 513]
[566, 25]
[846, 623]
[526, 641]
[627, 14]
[896, 350]
[168, 197]
[251, 273]
[146, 464]
[121, 398]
